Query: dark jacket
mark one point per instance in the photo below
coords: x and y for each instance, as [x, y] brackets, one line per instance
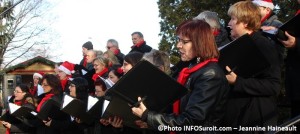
[144, 48]
[89, 66]
[19, 125]
[252, 101]
[293, 72]
[222, 38]
[204, 103]
[56, 116]
[272, 20]
[120, 56]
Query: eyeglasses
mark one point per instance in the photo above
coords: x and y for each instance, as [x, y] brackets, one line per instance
[182, 40]
[109, 47]
[45, 85]
[17, 91]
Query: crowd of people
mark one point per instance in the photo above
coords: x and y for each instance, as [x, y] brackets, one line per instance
[215, 98]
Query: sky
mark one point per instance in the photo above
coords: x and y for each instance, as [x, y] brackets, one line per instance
[99, 20]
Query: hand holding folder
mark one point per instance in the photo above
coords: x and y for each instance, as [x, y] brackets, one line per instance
[76, 108]
[243, 56]
[291, 26]
[144, 80]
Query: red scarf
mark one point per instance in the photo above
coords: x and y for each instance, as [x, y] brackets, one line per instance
[298, 12]
[18, 102]
[84, 61]
[33, 90]
[64, 83]
[216, 32]
[47, 97]
[138, 44]
[184, 75]
[96, 75]
[117, 51]
[265, 18]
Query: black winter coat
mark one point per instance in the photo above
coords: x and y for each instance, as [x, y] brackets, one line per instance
[293, 72]
[204, 103]
[144, 48]
[252, 101]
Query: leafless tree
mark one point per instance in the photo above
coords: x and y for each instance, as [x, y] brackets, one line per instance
[28, 33]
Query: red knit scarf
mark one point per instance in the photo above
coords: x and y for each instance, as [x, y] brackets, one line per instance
[64, 83]
[138, 44]
[96, 75]
[117, 51]
[47, 97]
[33, 91]
[18, 102]
[265, 18]
[84, 61]
[298, 12]
[184, 75]
[216, 32]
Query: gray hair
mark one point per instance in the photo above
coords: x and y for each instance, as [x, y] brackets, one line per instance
[113, 42]
[138, 33]
[210, 17]
[98, 53]
[158, 59]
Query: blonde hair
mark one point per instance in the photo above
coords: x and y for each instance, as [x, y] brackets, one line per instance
[248, 13]
[102, 60]
[111, 57]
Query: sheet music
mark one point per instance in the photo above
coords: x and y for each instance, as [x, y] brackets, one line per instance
[91, 102]
[13, 107]
[40, 90]
[33, 113]
[272, 31]
[105, 104]
[83, 72]
[67, 100]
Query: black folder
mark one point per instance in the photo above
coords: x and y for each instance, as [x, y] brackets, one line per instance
[51, 109]
[76, 108]
[243, 56]
[9, 118]
[94, 107]
[292, 26]
[143, 80]
[21, 111]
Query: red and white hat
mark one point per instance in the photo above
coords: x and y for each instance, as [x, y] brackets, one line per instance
[264, 3]
[39, 74]
[67, 67]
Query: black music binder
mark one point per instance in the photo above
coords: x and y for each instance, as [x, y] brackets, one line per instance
[243, 56]
[76, 108]
[144, 80]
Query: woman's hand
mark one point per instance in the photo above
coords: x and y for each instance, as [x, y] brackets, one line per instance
[231, 76]
[6, 124]
[290, 42]
[104, 122]
[141, 124]
[77, 120]
[117, 122]
[47, 123]
[138, 111]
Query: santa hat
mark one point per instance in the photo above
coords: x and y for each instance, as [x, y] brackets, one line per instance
[264, 3]
[67, 67]
[39, 74]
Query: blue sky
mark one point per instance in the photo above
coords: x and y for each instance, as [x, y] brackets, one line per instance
[99, 20]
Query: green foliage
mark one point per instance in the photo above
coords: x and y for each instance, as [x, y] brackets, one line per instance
[173, 12]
